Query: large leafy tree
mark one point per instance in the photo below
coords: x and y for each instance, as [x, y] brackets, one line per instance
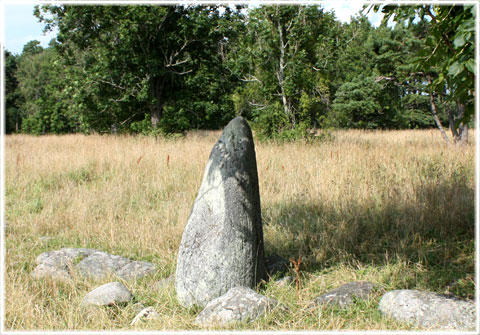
[376, 88]
[41, 87]
[355, 101]
[278, 60]
[447, 58]
[146, 60]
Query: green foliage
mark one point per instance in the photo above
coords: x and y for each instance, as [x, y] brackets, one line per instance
[163, 61]
[143, 127]
[449, 48]
[12, 97]
[41, 85]
[287, 69]
[283, 92]
[357, 104]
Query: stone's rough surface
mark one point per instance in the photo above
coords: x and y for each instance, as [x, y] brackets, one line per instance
[222, 245]
[429, 310]
[57, 263]
[108, 294]
[64, 256]
[45, 270]
[276, 264]
[135, 269]
[101, 264]
[238, 304]
[344, 295]
[89, 263]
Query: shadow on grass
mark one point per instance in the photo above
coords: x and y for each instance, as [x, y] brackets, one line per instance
[434, 231]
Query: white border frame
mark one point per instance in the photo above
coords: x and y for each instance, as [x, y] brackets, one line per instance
[232, 2]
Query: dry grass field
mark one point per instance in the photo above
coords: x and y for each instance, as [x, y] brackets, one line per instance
[392, 207]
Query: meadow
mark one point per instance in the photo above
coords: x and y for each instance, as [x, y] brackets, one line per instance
[392, 207]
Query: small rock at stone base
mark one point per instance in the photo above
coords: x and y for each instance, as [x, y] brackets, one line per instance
[343, 295]
[284, 281]
[108, 294]
[276, 264]
[429, 310]
[146, 313]
[238, 304]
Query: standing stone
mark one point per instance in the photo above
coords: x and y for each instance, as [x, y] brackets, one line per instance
[222, 245]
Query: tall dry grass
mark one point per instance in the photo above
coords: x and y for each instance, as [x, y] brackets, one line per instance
[393, 207]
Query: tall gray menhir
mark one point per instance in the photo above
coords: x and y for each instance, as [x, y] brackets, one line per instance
[222, 245]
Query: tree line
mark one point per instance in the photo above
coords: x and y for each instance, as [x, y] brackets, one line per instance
[287, 69]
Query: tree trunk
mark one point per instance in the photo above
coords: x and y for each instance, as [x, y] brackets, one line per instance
[156, 110]
[156, 115]
[460, 133]
[433, 110]
[462, 138]
[281, 77]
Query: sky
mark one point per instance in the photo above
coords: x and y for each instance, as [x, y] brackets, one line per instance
[21, 26]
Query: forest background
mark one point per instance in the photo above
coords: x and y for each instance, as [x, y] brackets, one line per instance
[287, 69]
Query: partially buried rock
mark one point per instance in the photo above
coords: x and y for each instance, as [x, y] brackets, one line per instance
[344, 295]
[222, 245]
[100, 264]
[55, 272]
[429, 310]
[135, 269]
[237, 305]
[58, 263]
[108, 294]
[90, 263]
[64, 256]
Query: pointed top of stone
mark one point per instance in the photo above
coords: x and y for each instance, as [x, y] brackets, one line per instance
[238, 126]
[234, 150]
